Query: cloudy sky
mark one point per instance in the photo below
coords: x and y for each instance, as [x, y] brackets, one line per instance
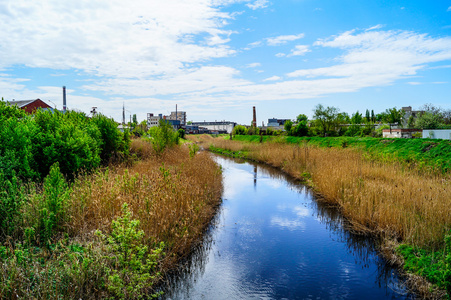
[218, 58]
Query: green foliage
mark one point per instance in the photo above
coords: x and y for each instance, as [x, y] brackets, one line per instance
[193, 149]
[135, 265]
[12, 198]
[429, 120]
[300, 129]
[287, 126]
[253, 130]
[326, 120]
[112, 140]
[434, 266]
[10, 112]
[239, 130]
[163, 136]
[392, 116]
[181, 133]
[69, 139]
[50, 209]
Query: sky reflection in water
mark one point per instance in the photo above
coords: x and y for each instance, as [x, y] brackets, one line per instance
[272, 240]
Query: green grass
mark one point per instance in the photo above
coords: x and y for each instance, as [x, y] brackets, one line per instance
[425, 154]
[434, 266]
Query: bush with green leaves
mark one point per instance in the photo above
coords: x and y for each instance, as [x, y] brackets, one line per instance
[132, 269]
[69, 139]
[111, 139]
[12, 199]
[239, 130]
[47, 210]
[163, 136]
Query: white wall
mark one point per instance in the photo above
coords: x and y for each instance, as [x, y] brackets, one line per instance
[444, 134]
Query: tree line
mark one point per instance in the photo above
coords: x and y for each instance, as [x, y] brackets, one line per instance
[329, 121]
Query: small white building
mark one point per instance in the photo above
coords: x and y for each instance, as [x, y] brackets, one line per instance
[216, 126]
[404, 133]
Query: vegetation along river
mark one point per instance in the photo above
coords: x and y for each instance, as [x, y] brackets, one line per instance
[272, 240]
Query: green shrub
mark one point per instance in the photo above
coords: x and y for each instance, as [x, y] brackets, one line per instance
[47, 211]
[239, 130]
[133, 266]
[12, 198]
[69, 139]
[112, 140]
[163, 136]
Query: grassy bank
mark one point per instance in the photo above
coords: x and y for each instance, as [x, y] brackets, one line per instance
[112, 233]
[424, 154]
[406, 205]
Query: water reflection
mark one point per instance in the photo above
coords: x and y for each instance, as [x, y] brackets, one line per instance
[274, 241]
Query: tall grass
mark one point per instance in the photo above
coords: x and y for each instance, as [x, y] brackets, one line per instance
[381, 197]
[106, 236]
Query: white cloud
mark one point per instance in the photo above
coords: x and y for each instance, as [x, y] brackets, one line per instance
[300, 50]
[283, 39]
[108, 38]
[414, 83]
[449, 9]
[258, 4]
[281, 55]
[273, 78]
[379, 26]
[253, 65]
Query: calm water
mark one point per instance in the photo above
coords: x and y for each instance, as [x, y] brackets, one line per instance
[272, 240]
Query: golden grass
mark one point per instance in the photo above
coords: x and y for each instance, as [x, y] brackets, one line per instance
[173, 196]
[385, 198]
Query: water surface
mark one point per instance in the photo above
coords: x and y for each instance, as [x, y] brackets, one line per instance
[272, 240]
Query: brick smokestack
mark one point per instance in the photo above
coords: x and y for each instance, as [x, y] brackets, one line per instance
[254, 120]
[64, 98]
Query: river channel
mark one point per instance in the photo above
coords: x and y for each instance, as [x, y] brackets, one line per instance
[272, 240]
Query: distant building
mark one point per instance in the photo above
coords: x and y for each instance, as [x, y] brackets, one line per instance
[30, 106]
[153, 120]
[219, 127]
[408, 112]
[404, 133]
[179, 116]
[276, 122]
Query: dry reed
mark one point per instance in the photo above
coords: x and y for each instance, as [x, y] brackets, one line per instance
[385, 198]
[173, 196]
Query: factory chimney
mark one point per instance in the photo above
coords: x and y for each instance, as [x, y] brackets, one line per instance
[254, 120]
[64, 99]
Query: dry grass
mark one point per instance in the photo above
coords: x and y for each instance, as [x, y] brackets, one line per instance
[385, 198]
[173, 196]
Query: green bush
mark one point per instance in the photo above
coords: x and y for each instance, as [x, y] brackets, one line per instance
[111, 139]
[69, 139]
[47, 211]
[163, 136]
[239, 130]
[12, 198]
[134, 269]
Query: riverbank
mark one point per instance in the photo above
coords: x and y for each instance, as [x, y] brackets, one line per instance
[113, 233]
[402, 205]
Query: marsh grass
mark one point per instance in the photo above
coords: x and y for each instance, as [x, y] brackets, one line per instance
[387, 198]
[171, 198]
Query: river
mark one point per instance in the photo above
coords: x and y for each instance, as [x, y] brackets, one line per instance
[272, 240]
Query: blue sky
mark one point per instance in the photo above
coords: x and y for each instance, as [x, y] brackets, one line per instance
[218, 58]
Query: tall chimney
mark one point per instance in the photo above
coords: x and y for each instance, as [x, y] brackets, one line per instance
[64, 98]
[254, 120]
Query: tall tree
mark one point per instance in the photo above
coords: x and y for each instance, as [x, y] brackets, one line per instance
[325, 119]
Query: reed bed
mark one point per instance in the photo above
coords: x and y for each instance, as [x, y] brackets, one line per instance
[173, 196]
[397, 202]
